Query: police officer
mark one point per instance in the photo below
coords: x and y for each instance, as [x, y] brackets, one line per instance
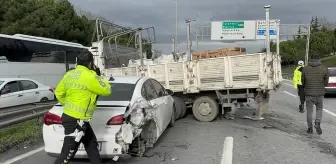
[77, 92]
[297, 83]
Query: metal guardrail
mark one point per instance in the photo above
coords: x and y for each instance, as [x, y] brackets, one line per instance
[18, 116]
[288, 76]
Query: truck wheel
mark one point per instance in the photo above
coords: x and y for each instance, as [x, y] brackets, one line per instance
[173, 119]
[205, 109]
[184, 109]
[179, 108]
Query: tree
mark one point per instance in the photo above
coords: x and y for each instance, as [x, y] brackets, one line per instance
[52, 19]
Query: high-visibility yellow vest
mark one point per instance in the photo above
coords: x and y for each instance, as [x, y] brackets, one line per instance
[297, 77]
[78, 91]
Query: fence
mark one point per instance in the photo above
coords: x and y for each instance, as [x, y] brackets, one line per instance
[25, 114]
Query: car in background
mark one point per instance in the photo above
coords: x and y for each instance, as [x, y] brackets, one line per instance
[331, 88]
[128, 121]
[21, 91]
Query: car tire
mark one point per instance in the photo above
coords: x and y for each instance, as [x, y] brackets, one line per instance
[137, 148]
[44, 99]
[173, 119]
[205, 115]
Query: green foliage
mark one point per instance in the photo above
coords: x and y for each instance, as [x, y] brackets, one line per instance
[49, 18]
[26, 132]
[322, 44]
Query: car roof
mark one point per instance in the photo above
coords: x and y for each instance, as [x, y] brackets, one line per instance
[124, 79]
[13, 79]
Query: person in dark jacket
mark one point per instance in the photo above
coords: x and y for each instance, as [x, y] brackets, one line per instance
[314, 79]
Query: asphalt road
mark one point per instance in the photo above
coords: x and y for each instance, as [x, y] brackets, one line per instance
[279, 139]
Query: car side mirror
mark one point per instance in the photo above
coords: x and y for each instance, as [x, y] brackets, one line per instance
[4, 91]
[169, 92]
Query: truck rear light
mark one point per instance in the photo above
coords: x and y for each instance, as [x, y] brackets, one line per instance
[51, 90]
[116, 120]
[331, 84]
[50, 119]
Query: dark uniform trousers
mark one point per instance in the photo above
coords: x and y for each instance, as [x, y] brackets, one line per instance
[301, 94]
[70, 146]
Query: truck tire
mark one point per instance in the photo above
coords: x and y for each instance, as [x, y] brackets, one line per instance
[184, 109]
[173, 119]
[179, 108]
[205, 109]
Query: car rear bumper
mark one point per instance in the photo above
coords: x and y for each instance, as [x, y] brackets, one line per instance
[330, 90]
[53, 137]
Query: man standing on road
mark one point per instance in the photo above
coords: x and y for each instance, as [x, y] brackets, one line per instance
[297, 83]
[77, 92]
[314, 79]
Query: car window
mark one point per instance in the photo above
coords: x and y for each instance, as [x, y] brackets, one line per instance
[332, 71]
[120, 92]
[158, 87]
[27, 85]
[12, 86]
[150, 91]
[1, 82]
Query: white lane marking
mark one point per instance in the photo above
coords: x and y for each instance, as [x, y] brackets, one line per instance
[325, 110]
[287, 84]
[20, 157]
[227, 151]
[290, 94]
[329, 112]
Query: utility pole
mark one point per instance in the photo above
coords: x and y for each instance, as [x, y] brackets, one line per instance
[278, 37]
[176, 23]
[268, 46]
[188, 40]
[139, 34]
[307, 46]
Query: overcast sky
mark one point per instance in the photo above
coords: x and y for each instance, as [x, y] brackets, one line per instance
[161, 14]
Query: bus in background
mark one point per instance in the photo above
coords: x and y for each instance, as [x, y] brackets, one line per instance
[42, 59]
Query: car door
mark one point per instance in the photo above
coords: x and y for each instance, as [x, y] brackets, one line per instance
[149, 93]
[13, 98]
[164, 100]
[30, 91]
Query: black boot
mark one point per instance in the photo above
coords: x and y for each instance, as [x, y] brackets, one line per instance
[318, 128]
[310, 130]
[301, 109]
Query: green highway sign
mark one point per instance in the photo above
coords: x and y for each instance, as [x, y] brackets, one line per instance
[232, 25]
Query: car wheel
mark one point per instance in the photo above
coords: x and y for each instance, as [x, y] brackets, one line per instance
[172, 119]
[205, 109]
[44, 99]
[138, 147]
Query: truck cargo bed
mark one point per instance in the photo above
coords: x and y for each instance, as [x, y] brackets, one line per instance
[256, 70]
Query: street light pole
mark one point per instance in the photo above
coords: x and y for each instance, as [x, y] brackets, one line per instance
[176, 23]
[307, 46]
[188, 40]
[268, 46]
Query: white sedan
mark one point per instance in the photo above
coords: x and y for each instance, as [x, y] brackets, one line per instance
[128, 121]
[20, 91]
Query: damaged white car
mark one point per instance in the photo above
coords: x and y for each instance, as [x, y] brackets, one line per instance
[126, 122]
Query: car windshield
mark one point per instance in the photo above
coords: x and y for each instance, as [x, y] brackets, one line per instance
[1, 82]
[120, 92]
